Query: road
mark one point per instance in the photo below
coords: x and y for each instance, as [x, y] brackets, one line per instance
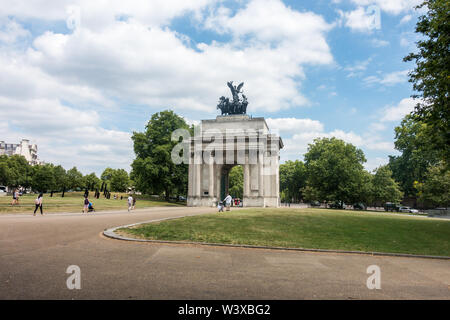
[35, 253]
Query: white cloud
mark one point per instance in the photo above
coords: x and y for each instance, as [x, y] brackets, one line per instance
[11, 31]
[389, 79]
[358, 20]
[390, 6]
[406, 19]
[358, 68]
[374, 163]
[293, 125]
[397, 112]
[377, 43]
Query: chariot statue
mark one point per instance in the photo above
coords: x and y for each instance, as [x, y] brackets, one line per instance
[237, 105]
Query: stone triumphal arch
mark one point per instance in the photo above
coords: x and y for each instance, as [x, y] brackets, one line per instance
[229, 140]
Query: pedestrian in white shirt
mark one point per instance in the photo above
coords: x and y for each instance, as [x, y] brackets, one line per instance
[130, 202]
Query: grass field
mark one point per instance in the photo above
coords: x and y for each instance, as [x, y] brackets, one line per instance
[74, 201]
[308, 228]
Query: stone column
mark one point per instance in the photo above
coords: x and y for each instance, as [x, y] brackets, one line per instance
[197, 176]
[190, 178]
[211, 177]
[246, 178]
[261, 174]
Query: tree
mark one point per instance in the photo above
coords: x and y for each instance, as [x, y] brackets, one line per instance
[414, 142]
[431, 77]
[43, 179]
[74, 179]
[60, 178]
[19, 171]
[236, 182]
[335, 170]
[91, 181]
[5, 172]
[435, 190]
[107, 174]
[292, 180]
[153, 170]
[384, 187]
[119, 180]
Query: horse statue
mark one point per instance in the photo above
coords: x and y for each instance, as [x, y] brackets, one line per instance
[237, 106]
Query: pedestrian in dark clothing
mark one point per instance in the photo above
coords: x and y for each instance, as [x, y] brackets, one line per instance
[38, 204]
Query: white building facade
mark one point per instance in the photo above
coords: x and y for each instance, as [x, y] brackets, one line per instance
[24, 148]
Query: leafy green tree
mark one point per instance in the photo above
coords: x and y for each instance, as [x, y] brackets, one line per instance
[75, 179]
[435, 190]
[19, 171]
[91, 181]
[107, 174]
[236, 182]
[414, 142]
[119, 180]
[335, 170]
[43, 179]
[431, 77]
[60, 178]
[311, 194]
[384, 187]
[153, 170]
[292, 180]
[5, 172]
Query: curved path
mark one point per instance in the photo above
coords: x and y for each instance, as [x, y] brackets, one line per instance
[36, 251]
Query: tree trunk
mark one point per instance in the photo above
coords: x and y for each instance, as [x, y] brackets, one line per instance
[167, 194]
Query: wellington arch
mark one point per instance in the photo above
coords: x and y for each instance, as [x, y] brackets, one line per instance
[234, 138]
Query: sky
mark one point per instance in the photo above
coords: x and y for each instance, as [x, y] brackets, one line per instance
[79, 77]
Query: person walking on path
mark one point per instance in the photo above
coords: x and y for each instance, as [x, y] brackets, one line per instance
[134, 203]
[227, 201]
[86, 205]
[38, 204]
[130, 202]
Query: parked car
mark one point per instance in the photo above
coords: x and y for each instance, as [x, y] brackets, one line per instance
[315, 204]
[359, 206]
[337, 205]
[2, 193]
[408, 209]
[389, 206]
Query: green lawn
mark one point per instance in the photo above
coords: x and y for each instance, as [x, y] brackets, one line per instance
[74, 201]
[308, 228]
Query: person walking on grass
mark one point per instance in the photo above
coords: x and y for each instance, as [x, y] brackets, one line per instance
[86, 205]
[227, 201]
[38, 204]
[130, 202]
[14, 200]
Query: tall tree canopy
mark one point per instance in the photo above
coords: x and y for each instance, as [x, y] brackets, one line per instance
[384, 187]
[431, 77]
[435, 190]
[119, 180]
[236, 182]
[292, 180]
[414, 142]
[153, 170]
[335, 170]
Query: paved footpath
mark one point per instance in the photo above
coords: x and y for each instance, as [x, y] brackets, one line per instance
[36, 251]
